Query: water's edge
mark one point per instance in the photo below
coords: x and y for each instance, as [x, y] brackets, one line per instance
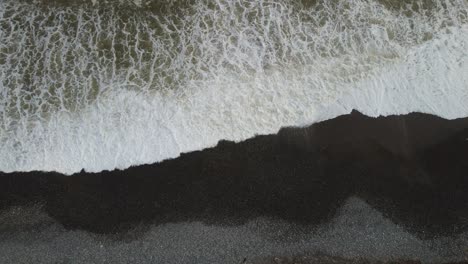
[301, 174]
[357, 175]
[108, 87]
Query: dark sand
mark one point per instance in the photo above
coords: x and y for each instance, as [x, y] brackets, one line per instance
[322, 259]
[412, 168]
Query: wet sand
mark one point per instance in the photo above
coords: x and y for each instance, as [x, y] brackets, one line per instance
[412, 168]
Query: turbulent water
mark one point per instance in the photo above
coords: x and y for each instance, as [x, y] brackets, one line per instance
[105, 85]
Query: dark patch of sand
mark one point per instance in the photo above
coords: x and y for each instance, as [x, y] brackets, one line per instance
[412, 167]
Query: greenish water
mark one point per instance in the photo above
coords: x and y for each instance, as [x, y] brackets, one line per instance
[62, 55]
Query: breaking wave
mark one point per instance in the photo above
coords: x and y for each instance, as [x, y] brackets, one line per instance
[102, 86]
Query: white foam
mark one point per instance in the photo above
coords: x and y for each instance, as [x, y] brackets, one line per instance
[226, 70]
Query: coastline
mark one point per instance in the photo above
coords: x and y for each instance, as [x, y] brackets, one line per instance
[411, 168]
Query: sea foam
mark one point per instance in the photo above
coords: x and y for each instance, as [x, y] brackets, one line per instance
[102, 88]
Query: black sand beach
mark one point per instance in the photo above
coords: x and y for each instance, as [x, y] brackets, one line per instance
[412, 168]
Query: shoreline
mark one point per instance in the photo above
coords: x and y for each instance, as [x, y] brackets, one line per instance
[397, 164]
[355, 188]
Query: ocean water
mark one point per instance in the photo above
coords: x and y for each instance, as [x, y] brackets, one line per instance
[100, 85]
